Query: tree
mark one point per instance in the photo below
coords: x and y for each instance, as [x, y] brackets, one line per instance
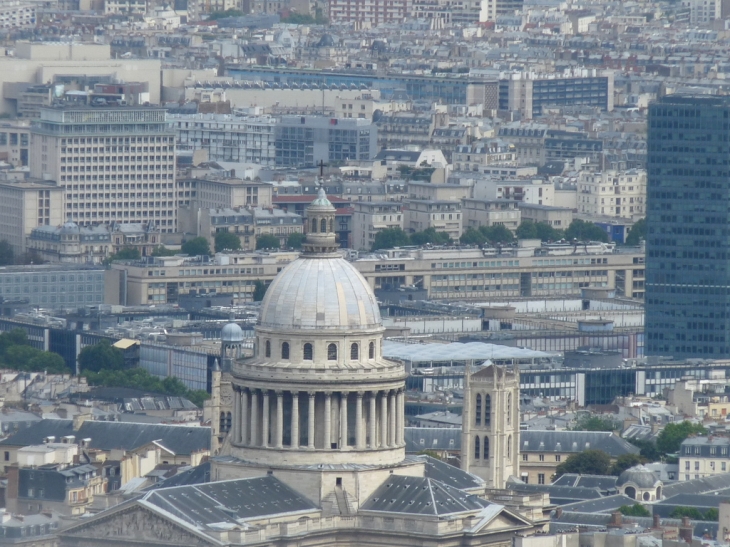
[497, 234]
[197, 246]
[588, 462]
[473, 237]
[389, 238]
[637, 232]
[636, 510]
[691, 512]
[712, 514]
[526, 230]
[429, 236]
[589, 422]
[126, 253]
[267, 241]
[161, 250]
[7, 256]
[624, 462]
[15, 337]
[101, 356]
[648, 449]
[671, 437]
[295, 240]
[545, 232]
[585, 231]
[48, 361]
[226, 241]
[259, 290]
[139, 378]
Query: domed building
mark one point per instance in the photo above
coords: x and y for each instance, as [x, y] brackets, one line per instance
[315, 453]
[640, 483]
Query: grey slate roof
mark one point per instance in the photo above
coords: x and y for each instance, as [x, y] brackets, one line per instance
[200, 474]
[600, 520]
[575, 441]
[698, 486]
[116, 435]
[609, 504]
[229, 501]
[421, 496]
[434, 438]
[559, 495]
[605, 483]
[450, 475]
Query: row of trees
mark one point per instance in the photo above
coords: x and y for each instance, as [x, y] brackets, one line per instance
[579, 230]
[198, 246]
[16, 353]
[597, 462]
[103, 365]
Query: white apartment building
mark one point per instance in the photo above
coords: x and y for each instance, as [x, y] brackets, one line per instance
[701, 457]
[116, 164]
[16, 14]
[703, 11]
[478, 212]
[207, 192]
[476, 156]
[25, 205]
[528, 190]
[227, 138]
[613, 193]
[441, 215]
[125, 7]
[370, 217]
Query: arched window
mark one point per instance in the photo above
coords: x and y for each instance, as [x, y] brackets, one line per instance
[332, 225]
[371, 350]
[477, 448]
[486, 447]
[509, 447]
[222, 422]
[314, 225]
[509, 408]
[354, 352]
[285, 350]
[229, 420]
[488, 410]
[332, 352]
[478, 410]
[268, 348]
[323, 226]
[308, 351]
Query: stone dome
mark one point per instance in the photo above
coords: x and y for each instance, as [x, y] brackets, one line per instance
[231, 333]
[319, 294]
[70, 228]
[639, 475]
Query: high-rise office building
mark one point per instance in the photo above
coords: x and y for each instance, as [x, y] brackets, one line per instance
[688, 243]
[115, 163]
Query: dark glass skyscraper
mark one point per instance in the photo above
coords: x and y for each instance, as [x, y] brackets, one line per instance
[687, 247]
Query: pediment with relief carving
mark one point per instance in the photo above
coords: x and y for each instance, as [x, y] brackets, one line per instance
[136, 525]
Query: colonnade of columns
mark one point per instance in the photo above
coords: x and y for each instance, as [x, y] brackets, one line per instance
[318, 419]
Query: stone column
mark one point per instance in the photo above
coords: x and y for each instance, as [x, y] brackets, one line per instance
[265, 420]
[373, 419]
[343, 419]
[384, 419]
[399, 416]
[310, 422]
[391, 416]
[244, 416]
[327, 421]
[254, 417]
[235, 426]
[279, 442]
[359, 429]
[294, 420]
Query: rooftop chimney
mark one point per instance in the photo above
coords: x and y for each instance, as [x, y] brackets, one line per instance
[616, 520]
